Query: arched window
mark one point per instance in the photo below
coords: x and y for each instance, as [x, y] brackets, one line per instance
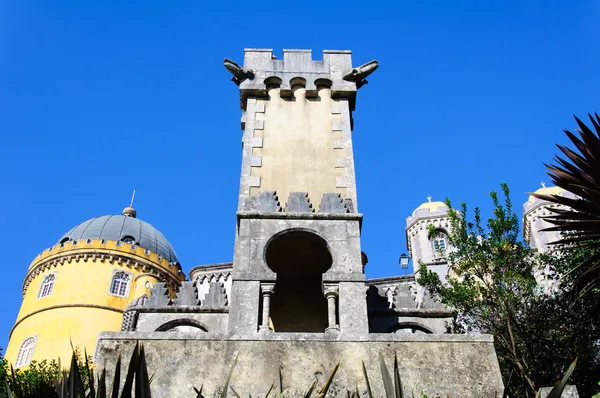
[25, 352]
[47, 285]
[119, 286]
[439, 242]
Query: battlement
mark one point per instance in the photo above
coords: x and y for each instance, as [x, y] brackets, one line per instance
[89, 246]
[261, 71]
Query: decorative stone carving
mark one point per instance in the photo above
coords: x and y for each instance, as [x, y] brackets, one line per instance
[390, 292]
[129, 318]
[267, 201]
[332, 203]
[239, 74]
[349, 205]
[358, 75]
[298, 202]
[216, 297]
[158, 295]
[187, 295]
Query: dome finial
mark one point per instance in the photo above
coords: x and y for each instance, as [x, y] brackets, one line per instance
[130, 211]
[543, 184]
[429, 198]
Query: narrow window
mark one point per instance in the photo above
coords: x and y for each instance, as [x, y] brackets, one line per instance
[439, 244]
[119, 286]
[25, 352]
[47, 285]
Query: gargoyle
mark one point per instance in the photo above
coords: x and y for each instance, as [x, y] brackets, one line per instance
[359, 74]
[239, 74]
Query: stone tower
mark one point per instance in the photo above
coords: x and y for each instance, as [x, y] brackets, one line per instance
[297, 264]
[293, 303]
[422, 245]
[533, 230]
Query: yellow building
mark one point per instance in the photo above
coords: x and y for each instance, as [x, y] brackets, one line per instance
[80, 286]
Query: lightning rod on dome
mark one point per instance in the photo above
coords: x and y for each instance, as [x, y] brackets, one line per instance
[543, 184]
[132, 198]
[429, 198]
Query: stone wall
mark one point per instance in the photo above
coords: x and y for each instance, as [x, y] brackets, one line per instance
[449, 365]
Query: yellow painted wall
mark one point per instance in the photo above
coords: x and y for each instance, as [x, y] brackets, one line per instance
[80, 305]
[298, 154]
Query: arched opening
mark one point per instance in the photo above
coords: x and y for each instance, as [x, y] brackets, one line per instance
[409, 328]
[299, 258]
[182, 325]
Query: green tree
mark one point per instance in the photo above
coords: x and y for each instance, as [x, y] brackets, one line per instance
[493, 289]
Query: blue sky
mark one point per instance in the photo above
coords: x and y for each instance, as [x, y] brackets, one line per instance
[98, 98]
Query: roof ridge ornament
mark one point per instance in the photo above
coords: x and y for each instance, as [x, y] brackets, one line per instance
[129, 211]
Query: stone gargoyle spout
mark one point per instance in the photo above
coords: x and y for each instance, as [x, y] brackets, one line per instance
[358, 75]
[239, 74]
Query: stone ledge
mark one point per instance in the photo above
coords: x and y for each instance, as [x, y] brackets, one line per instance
[417, 312]
[300, 216]
[298, 337]
[176, 308]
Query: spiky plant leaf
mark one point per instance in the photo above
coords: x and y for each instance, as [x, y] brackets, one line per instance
[280, 381]
[388, 385]
[142, 381]
[131, 370]
[101, 391]
[557, 391]
[325, 388]
[75, 384]
[397, 382]
[116, 379]
[369, 392]
[310, 390]
[270, 389]
[579, 173]
[199, 392]
[228, 379]
[234, 392]
[8, 392]
[90, 373]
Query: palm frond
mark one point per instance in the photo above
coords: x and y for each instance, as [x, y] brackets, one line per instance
[578, 171]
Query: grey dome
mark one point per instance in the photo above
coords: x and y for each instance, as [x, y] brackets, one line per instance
[118, 228]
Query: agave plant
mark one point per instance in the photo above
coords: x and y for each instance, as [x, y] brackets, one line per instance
[70, 384]
[579, 218]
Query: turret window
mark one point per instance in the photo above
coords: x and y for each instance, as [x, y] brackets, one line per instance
[25, 352]
[119, 286]
[47, 285]
[439, 244]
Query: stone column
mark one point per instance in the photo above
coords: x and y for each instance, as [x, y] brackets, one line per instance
[331, 294]
[266, 290]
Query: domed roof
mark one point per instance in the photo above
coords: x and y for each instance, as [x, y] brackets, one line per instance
[547, 191]
[123, 228]
[432, 206]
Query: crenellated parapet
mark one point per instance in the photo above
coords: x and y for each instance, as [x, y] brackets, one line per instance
[261, 71]
[298, 202]
[190, 302]
[534, 211]
[105, 252]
